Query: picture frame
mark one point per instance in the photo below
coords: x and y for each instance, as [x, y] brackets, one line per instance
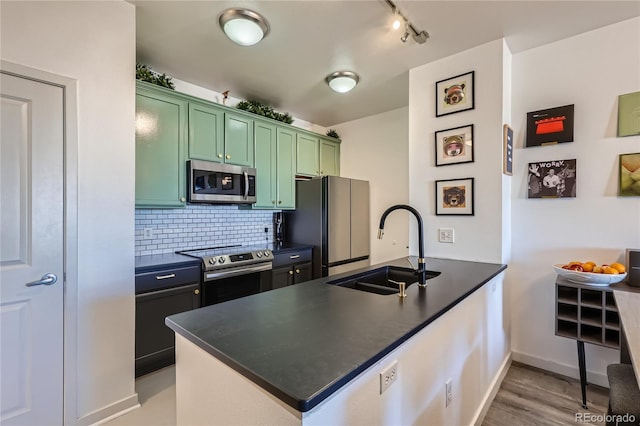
[550, 126]
[455, 197]
[629, 180]
[507, 150]
[552, 179]
[454, 146]
[455, 94]
[629, 114]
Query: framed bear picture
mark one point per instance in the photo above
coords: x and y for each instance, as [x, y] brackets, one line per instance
[454, 146]
[455, 94]
[454, 197]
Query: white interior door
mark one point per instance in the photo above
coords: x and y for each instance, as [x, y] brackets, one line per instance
[31, 224]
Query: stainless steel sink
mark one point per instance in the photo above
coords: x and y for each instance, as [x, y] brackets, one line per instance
[377, 280]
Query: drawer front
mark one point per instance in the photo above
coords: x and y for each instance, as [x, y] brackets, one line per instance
[167, 278]
[291, 257]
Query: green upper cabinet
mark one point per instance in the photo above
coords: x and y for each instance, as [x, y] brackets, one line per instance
[275, 165]
[206, 132]
[161, 144]
[265, 141]
[238, 140]
[286, 173]
[307, 155]
[329, 157]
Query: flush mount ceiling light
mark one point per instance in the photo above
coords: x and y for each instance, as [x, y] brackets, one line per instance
[342, 81]
[243, 26]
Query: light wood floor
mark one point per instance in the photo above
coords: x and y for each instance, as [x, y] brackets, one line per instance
[530, 396]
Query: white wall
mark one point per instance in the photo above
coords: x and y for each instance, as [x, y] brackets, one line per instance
[477, 237]
[376, 148]
[93, 42]
[590, 71]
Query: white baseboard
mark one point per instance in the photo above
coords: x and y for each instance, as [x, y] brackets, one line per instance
[560, 368]
[110, 412]
[493, 391]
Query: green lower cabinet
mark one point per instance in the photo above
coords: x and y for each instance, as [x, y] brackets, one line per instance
[329, 158]
[161, 145]
[307, 160]
[275, 167]
[206, 132]
[238, 140]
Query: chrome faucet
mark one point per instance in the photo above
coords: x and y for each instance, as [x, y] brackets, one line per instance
[422, 270]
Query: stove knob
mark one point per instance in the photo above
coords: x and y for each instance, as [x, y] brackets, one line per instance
[221, 260]
[259, 254]
[212, 260]
[267, 253]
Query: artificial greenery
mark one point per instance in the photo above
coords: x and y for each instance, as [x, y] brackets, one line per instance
[333, 134]
[264, 110]
[145, 73]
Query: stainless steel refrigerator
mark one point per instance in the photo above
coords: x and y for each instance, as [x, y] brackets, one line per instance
[332, 214]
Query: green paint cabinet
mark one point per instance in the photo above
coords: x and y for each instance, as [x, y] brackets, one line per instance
[307, 155]
[161, 145]
[238, 140]
[275, 164]
[317, 156]
[206, 132]
[329, 158]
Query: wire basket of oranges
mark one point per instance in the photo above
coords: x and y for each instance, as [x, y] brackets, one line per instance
[592, 273]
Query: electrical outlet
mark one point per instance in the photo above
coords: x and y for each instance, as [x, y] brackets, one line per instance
[147, 233]
[449, 393]
[445, 235]
[388, 376]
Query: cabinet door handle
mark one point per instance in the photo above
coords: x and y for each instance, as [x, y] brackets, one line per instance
[196, 291]
[183, 199]
[164, 277]
[290, 272]
[228, 157]
[297, 271]
[273, 201]
[294, 256]
[219, 155]
[279, 202]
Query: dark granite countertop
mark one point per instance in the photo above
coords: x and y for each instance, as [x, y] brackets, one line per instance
[304, 342]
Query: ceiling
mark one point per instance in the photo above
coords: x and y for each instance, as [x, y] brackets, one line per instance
[311, 39]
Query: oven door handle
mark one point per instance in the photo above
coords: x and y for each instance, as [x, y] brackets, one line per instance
[209, 276]
[246, 184]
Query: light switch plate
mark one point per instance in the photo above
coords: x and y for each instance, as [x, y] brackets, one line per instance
[445, 235]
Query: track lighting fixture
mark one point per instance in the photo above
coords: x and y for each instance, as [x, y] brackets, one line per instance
[419, 37]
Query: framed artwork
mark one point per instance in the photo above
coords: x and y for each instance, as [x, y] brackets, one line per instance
[629, 175]
[507, 150]
[455, 94]
[454, 197]
[552, 179]
[550, 126]
[629, 114]
[454, 146]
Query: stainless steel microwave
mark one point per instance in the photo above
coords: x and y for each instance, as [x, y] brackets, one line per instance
[217, 183]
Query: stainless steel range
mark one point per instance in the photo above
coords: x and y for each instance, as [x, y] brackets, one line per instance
[231, 272]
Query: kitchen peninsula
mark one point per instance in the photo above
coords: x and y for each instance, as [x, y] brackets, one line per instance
[313, 353]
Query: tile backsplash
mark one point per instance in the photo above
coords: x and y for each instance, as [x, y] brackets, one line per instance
[160, 231]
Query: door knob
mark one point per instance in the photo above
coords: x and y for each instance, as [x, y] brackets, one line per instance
[297, 271]
[228, 157]
[47, 279]
[219, 155]
[183, 199]
[290, 272]
[196, 291]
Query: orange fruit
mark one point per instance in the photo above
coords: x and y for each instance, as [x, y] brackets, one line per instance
[597, 270]
[591, 263]
[619, 267]
[587, 267]
[610, 270]
[574, 263]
